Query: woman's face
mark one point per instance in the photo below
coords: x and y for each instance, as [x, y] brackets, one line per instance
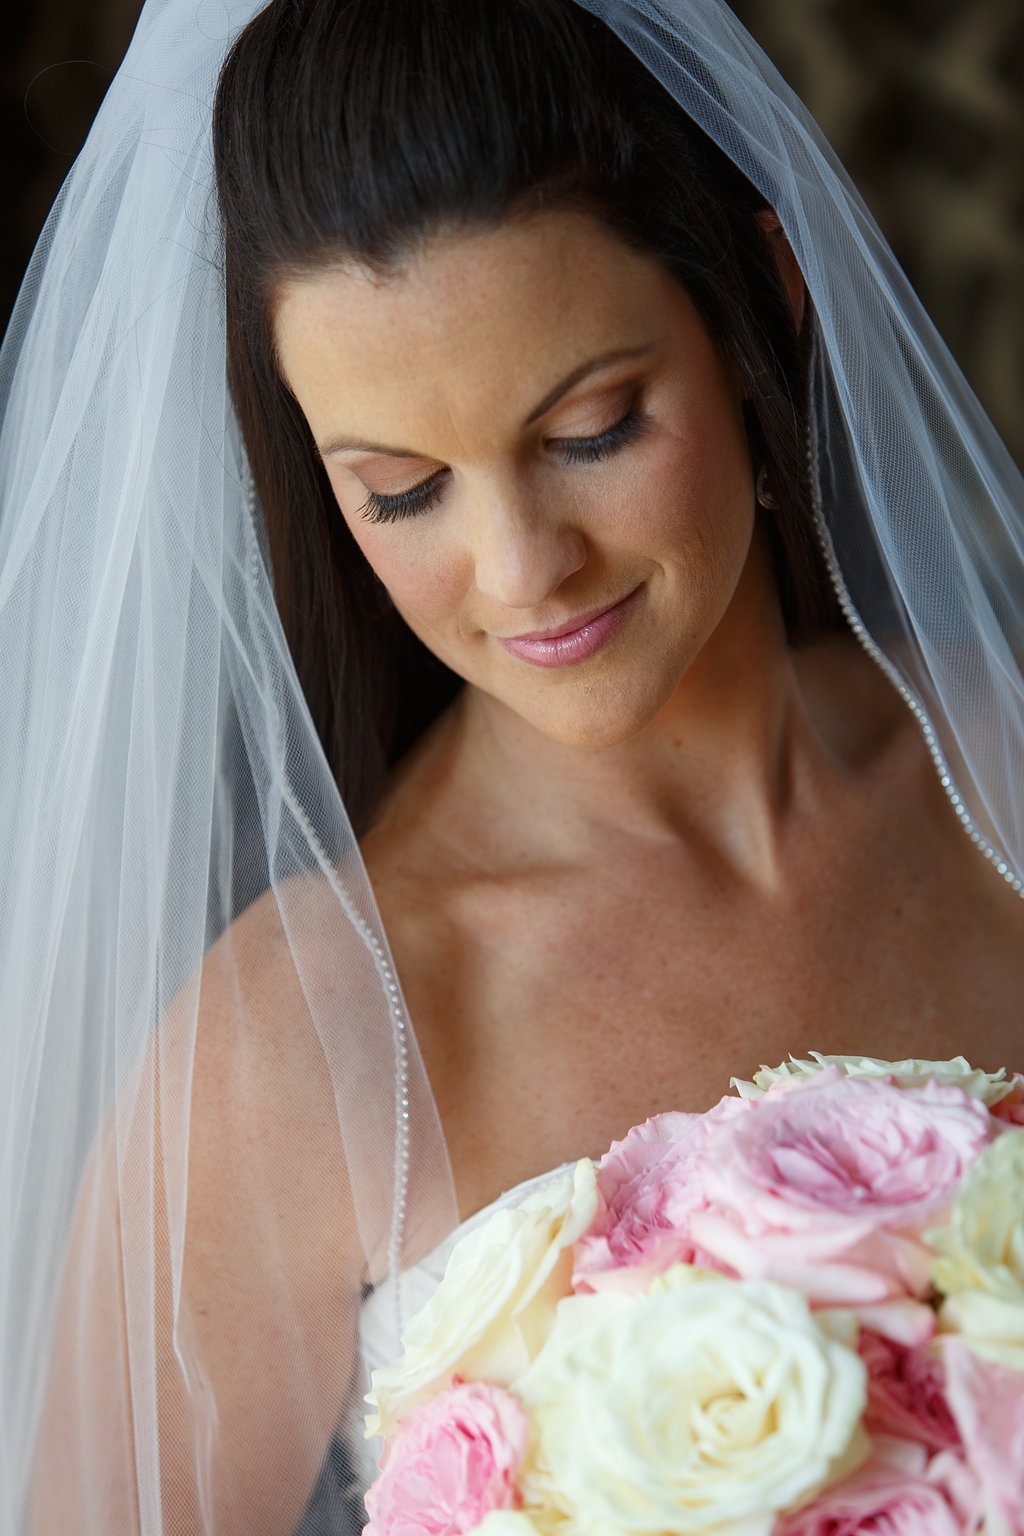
[542, 456]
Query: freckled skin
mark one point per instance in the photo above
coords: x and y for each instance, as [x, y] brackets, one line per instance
[519, 540]
[612, 885]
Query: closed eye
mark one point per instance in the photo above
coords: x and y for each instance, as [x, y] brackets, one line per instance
[590, 450]
[378, 508]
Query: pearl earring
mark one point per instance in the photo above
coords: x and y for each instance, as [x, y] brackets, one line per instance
[766, 497]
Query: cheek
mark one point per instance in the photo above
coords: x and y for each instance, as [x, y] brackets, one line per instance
[408, 558]
[422, 584]
[710, 441]
[691, 495]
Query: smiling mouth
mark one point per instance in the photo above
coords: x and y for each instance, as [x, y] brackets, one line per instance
[574, 641]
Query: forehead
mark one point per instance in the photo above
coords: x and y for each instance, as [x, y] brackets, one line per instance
[476, 318]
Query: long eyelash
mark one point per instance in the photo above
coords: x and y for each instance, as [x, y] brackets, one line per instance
[573, 450]
[391, 509]
[590, 450]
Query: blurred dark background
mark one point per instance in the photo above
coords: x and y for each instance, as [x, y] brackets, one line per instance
[923, 100]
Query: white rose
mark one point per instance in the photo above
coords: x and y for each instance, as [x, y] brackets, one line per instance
[496, 1302]
[990, 1087]
[708, 1406]
[506, 1522]
[980, 1268]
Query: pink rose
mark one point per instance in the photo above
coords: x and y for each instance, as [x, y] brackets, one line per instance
[898, 1492]
[828, 1185]
[988, 1405]
[1011, 1108]
[649, 1186]
[906, 1394]
[451, 1462]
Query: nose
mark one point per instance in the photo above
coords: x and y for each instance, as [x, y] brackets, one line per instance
[524, 550]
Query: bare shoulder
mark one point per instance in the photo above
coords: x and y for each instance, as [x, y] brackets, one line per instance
[289, 1031]
[261, 1017]
[854, 703]
[257, 991]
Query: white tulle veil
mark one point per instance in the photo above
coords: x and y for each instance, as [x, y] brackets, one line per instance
[165, 796]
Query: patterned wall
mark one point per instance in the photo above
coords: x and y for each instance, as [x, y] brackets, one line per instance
[924, 102]
[58, 58]
[923, 99]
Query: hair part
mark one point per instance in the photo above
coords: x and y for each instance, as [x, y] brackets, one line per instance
[354, 131]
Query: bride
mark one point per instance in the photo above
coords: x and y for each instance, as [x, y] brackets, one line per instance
[643, 577]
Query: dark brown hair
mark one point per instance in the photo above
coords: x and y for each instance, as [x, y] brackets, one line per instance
[353, 129]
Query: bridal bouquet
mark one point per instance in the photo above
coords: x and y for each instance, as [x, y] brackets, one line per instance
[799, 1314]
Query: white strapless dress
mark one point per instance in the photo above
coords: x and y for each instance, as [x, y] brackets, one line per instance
[380, 1314]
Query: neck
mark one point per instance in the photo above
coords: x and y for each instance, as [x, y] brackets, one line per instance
[717, 769]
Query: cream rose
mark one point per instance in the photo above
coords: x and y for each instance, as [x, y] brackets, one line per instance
[990, 1087]
[496, 1303]
[980, 1268]
[506, 1522]
[709, 1405]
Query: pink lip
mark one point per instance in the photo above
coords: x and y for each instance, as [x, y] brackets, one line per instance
[574, 641]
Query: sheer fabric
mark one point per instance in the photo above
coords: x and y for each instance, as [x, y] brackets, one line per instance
[193, 976]
[161, 775]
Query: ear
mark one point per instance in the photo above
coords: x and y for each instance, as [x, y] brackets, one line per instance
[789, 268]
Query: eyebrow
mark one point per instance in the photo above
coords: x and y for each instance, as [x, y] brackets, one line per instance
[605, 360]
